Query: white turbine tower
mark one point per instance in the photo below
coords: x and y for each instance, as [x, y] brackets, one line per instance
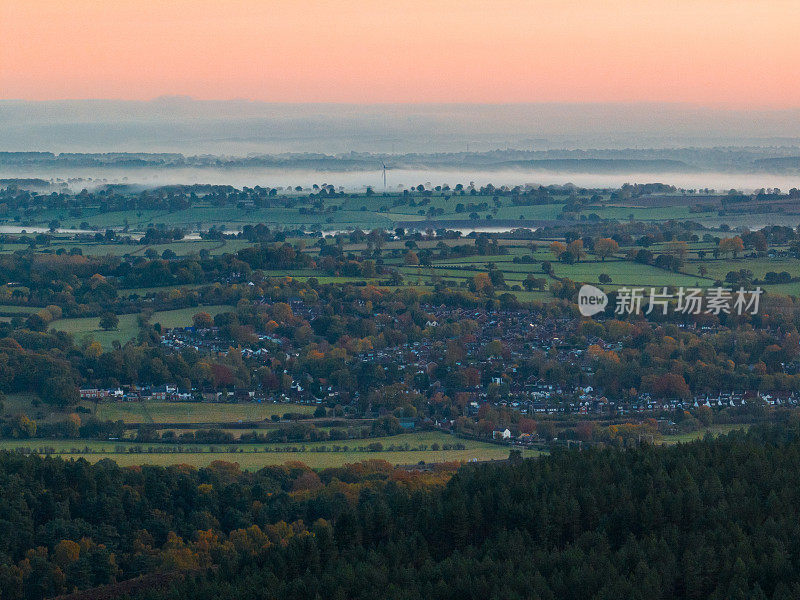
[384, 176]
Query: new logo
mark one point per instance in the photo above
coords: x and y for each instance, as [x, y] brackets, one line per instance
[591, 300]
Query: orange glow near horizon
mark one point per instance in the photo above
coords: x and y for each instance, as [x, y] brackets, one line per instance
[729, 52]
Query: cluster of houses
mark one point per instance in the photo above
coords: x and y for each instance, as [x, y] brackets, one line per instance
[209, 341]
[171, 393]
[586, 402]
[164, 393]
[503, 383]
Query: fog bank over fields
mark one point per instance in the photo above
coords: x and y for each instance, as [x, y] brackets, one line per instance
[357, 180]
[180, 140]
[178, 124]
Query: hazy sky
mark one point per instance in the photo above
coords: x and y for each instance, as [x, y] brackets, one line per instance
[741, 53]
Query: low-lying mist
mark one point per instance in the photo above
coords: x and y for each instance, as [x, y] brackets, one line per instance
[89, 178]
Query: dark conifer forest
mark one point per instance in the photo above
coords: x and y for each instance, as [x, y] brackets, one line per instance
[716, 518]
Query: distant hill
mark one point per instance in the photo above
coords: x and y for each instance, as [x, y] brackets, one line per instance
[785, 163]
[602, 165]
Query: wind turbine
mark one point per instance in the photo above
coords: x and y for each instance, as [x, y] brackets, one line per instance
[384, 176]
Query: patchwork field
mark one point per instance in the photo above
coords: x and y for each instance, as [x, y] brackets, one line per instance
[255, 456]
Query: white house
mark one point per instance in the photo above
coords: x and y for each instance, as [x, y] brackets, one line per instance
[502, 435]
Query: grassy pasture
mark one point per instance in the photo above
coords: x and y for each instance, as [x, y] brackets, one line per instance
[30, 404]
[135, 219]
[98, 249]
[535, 212]
[623, 273]
[700, 433]
[255, 456]
[718, 268]
[235, 218]
[129, 325]
[181, 247]
[7, 309]
[84, 328]
[657, 213]
[182, 317]
[143, 291]
[193, 412]
[784, 289]
[11, 247]
[379, 210]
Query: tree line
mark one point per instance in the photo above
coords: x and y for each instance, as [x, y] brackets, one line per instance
[717, 518]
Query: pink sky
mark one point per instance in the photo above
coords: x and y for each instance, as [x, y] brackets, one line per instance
[733, 52]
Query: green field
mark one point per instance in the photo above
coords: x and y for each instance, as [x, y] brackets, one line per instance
[84, 328]
[658, 213]
[29, 404]
[255, 456]
[360, 211]
[194, 412]
[624, 273]
[719, 268]
[700, 433]
[144, 291]
[182, 317]
[7, 309]
[380, 210]
[180, 248]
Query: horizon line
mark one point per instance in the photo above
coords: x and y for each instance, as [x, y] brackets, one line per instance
[177, 98]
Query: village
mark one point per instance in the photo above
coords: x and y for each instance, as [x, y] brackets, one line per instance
[495, 355]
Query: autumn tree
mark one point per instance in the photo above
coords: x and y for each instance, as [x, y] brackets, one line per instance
[667, 385]
[558, 248]
[526, 425]
[575, 249]
[732, 245]
[678, 249]
[202, 320]
[481, 282]
[605, 247]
